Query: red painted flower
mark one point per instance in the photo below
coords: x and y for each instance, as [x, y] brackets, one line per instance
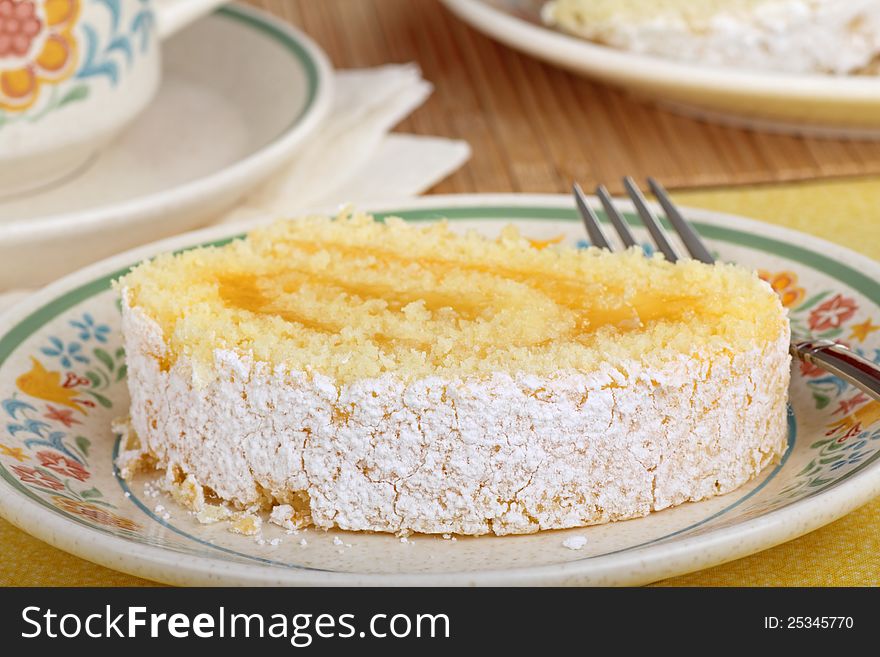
[72, 380]
[847, 405]
[62, 465]
[33, 476]
[63, 415]
[832, 313]
[37, 47]
[808, 369]
[854, 430]
[19, 24]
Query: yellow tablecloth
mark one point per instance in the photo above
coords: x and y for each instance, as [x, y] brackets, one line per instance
[846, 552]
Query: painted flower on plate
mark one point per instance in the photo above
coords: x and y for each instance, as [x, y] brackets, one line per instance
[62, 415]
[862, 330]
[37, 46]
[16, 453]
[62, 465]
[94, 513]
[833, 313]
[36, 477]
[847, 405]
[784, 283]
[851, 459]
[809, 369]
[46, 384]
[865, 416]
[87, 328]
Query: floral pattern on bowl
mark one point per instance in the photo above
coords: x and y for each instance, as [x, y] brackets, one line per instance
[50, 54]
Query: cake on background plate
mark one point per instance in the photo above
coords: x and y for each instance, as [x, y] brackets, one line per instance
[401, 378]
[797, 36]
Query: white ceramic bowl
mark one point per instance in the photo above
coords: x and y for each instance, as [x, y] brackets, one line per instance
[240, 92]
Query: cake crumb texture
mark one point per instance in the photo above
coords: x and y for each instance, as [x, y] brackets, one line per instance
[352, 299]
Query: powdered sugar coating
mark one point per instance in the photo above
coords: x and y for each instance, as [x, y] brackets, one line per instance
[574, 542]
[798, 36]
[501, 454]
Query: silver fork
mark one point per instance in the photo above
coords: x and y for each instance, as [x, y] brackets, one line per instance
[828, 355]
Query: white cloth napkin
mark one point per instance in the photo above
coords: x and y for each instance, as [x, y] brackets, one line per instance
[352, 158]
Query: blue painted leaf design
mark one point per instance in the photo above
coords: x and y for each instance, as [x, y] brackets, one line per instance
[55, 440]
[121, 44]
[36, 426]
[12, 406]
[113, 7]
[831, 381]
[143, 25]
[93, 68]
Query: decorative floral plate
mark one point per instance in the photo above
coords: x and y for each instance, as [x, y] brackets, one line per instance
[62, 382]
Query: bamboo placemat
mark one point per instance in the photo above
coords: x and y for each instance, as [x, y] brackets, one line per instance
[536, 128]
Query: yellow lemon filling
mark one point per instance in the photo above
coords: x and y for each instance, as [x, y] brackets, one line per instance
[353, 298]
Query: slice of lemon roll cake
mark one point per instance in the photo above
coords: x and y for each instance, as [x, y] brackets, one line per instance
[769, 35]
[401, 378]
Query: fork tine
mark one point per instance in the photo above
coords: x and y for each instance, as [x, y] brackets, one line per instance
[591, 221]
[650, 220]
[685, 231]
[616, 218]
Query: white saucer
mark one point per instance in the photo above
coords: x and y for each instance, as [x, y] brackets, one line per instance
[240, 92]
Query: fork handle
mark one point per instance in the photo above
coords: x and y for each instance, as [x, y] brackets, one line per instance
[839, 360]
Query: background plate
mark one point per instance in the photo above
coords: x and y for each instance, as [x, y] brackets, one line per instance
[62, 381]
[816, 105]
